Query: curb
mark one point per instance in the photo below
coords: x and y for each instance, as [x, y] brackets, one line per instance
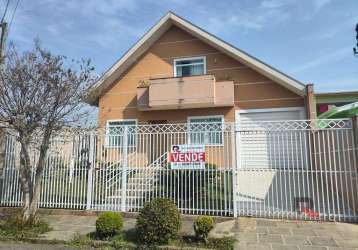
[32, 240]
[60, 211]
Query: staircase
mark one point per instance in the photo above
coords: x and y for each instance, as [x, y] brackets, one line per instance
[140, 185]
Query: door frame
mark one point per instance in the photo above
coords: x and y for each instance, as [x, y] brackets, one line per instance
[246, 111]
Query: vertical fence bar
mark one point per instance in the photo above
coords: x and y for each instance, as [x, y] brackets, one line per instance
[234, 159]
[124, 168]
[354, 168]
[90, 168]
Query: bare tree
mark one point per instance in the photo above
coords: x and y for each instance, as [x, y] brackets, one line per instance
[40, 93]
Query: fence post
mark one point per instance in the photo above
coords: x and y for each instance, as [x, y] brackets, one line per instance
[355, 153]
[124, 168]
[2, 160]
[234, 167]
[355, 134]
[91, 156]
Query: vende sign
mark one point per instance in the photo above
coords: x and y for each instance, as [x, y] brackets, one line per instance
[187, 157]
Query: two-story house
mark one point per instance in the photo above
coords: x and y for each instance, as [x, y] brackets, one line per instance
[178, 72]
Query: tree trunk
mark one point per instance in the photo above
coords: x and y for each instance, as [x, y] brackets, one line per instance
[31, 197]
[25, 215]
[26, 182]
[32, 186]
[35, 197]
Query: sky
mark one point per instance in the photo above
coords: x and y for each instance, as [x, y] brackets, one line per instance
[310, 40]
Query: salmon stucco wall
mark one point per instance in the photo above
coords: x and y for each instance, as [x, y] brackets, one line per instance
[252, 90]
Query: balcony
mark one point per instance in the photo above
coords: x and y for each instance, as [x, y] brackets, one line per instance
[185, 93]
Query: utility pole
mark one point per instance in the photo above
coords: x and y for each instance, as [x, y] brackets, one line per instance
[3, 27]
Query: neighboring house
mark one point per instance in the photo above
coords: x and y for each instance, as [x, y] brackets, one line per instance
[178, 72]
[328, 100]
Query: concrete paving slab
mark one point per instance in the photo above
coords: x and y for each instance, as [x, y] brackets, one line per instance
[270, 238]
[249, 237]
[283, 247]
[312, 248]
[252, 246]
[265, 223]
[262, 230]
[349, 243]
[296, 239]
[341, 248]
[307, 231]
[280, 230]
[323, 241]
[334, 233]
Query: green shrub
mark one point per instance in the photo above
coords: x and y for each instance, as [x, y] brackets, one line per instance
[211, 187]
[210, 166]
[109, 224]
[158, 222]
[202, 227]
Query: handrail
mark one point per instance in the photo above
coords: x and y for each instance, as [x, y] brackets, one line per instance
[160, 160]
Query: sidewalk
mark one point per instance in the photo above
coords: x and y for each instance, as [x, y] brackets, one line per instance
[251, 233]
[278, 234]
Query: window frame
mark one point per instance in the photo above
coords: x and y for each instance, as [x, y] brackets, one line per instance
[206, 117]
[175, 61]
[107, 144]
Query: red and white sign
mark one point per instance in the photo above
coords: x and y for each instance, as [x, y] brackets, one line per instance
[187, 157]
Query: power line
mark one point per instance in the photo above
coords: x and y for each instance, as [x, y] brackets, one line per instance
[13, 14]
[7, 6]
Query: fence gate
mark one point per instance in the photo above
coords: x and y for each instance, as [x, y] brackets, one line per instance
[297, 169]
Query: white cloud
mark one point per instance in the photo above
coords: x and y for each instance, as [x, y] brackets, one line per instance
[268, 13]
[338, 84]
[330, 57]
[100, 23]
[319, 4]
[275, 4]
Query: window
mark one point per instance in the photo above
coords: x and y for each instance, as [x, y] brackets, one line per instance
[115, 130]
[206, 130]
[189, 66]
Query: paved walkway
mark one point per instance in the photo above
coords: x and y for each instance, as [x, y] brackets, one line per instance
[251, 233]
[276, 234]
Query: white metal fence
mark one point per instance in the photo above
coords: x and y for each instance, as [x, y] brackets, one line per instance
[286, 169]
[297, 169]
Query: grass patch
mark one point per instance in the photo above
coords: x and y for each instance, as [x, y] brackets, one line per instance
[224, 243]
[81, 241]
[92, 240]
[17, 231]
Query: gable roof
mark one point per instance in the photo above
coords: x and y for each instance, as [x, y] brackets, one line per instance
[144, 43]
